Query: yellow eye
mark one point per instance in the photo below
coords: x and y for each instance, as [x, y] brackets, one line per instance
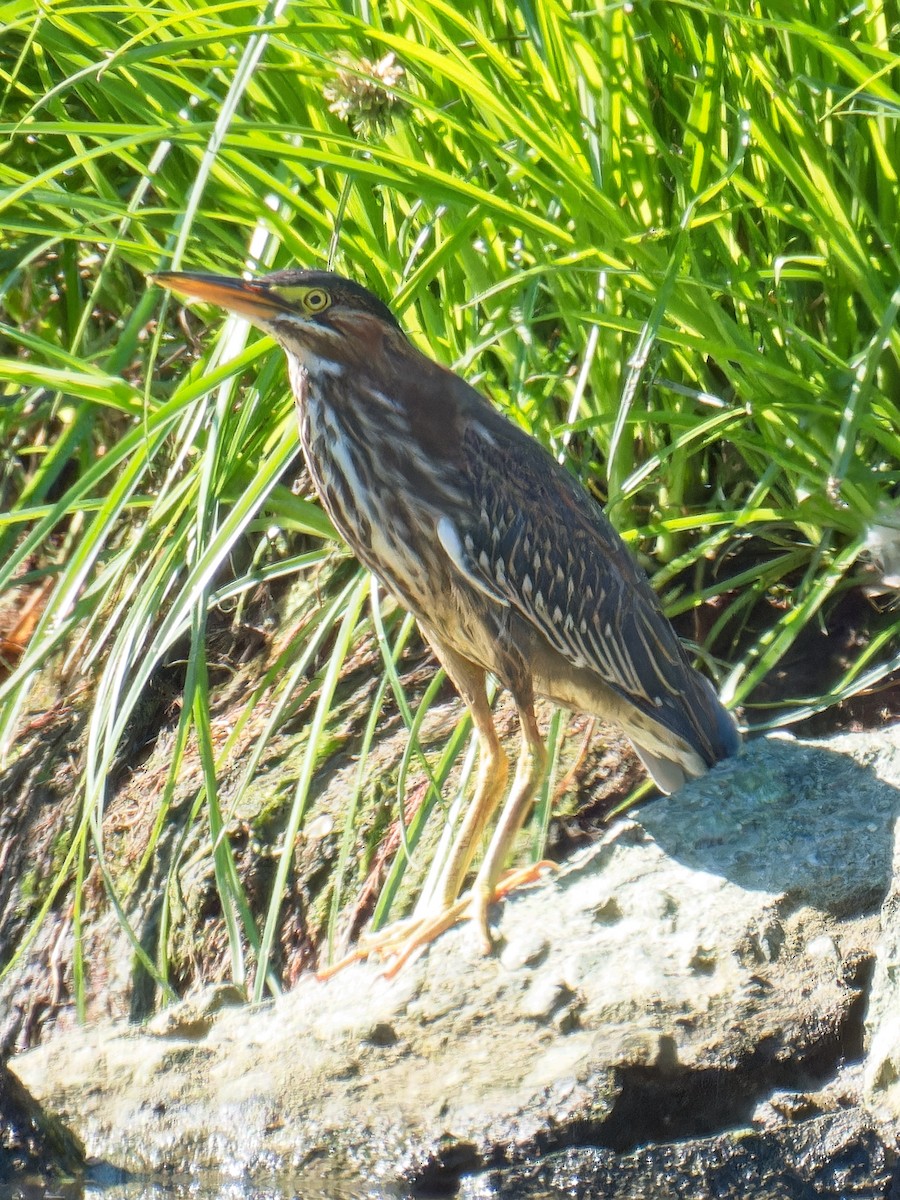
[316, 300]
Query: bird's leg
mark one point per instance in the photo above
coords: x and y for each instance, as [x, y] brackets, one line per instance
[529, 772]
[443, 906]
[449, 906]
[493, 770]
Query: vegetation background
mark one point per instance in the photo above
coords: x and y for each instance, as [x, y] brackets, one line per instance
[663, 237]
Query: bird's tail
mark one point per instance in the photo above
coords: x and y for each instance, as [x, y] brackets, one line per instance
[713, 735]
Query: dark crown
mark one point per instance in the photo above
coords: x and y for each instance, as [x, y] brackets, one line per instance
[342, 291]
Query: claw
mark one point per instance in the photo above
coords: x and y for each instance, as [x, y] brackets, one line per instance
[402, 942]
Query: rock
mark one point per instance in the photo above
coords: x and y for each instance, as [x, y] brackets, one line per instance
[702, 970]
[835, 1156]
[882, 1073]
[34, 1145]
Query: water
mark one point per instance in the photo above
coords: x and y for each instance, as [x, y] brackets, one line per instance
[308, 1185]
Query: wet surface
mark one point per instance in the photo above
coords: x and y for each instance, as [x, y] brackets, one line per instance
[310, 1185]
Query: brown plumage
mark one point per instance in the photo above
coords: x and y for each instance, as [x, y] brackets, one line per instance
[508, 564]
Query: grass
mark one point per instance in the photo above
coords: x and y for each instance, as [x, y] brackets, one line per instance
[662, 237]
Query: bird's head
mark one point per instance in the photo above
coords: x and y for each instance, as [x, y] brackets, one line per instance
[311, 313]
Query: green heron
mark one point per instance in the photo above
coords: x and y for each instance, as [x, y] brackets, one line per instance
[508, 564]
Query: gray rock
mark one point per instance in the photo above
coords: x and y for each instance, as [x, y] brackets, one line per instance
[34, 1145]
[831, 1157]
[882, 1070]
[701, 970]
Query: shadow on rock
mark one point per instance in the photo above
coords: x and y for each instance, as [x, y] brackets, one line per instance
[804, 820]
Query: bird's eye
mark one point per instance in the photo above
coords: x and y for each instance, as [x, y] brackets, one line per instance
[315, 300]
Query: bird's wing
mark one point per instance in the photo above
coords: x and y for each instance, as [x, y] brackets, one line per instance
[534, 540]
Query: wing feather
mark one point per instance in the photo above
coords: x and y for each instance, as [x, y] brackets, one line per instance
[540, 544]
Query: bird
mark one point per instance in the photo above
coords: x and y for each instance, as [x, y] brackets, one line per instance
[510, 566]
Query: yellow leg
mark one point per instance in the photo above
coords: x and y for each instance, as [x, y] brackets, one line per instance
[529, 772]
[444, 906]
[403, 941]
[490, 784]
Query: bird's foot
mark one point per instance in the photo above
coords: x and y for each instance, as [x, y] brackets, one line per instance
[521, 876]
[403, 941]
[400, 941]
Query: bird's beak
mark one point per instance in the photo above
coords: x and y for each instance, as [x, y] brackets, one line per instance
[252, 299]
